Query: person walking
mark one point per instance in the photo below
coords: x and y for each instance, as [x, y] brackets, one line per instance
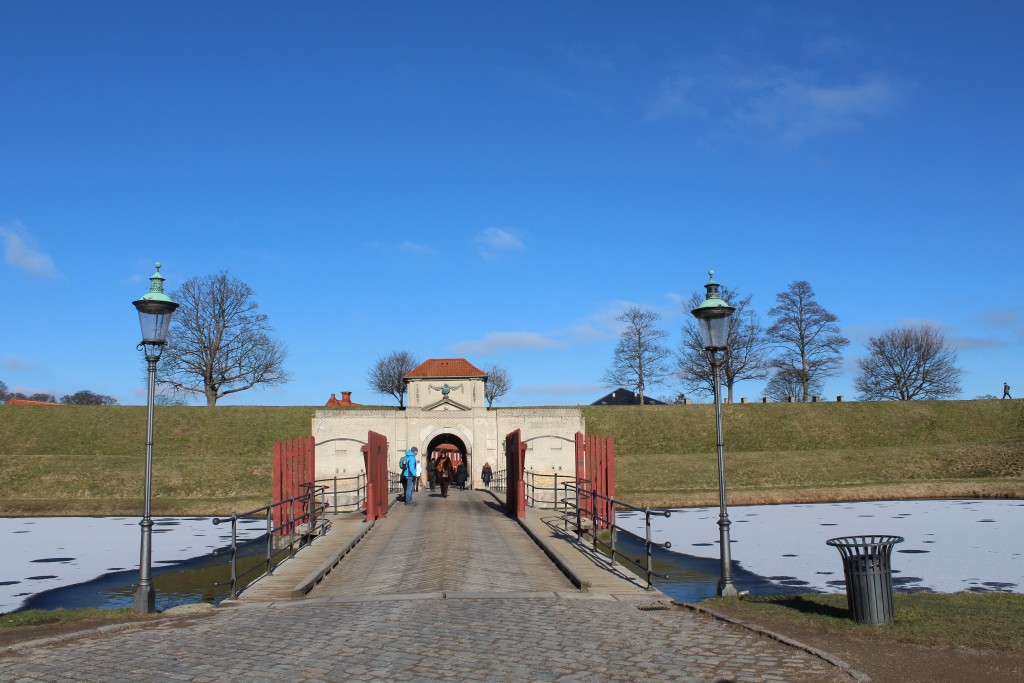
[486, 474]
[1006, 391]
[444, 473]
[410, 472]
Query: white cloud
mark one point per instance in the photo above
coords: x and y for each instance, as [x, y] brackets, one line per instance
[496, 342]
[19, 252]
[495, 241]
[416, 249]
[774, 102]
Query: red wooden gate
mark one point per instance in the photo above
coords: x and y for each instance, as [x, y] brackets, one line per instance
[294, 468]
[375, 456]
[515, 461]
[595, 472]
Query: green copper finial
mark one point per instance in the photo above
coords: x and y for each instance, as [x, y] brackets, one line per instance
[156, 287]
[713, 316]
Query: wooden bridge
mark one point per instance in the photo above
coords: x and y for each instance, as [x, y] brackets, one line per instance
[462, 545]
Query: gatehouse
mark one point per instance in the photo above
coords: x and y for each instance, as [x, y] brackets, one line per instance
[447, 407]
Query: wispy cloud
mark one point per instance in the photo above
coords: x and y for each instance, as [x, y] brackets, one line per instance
[773, 102]
[1004, 318]
[416, 249]
[975, 343]
[16, 364]
[496, 342]
[20, 252]
[493, 242]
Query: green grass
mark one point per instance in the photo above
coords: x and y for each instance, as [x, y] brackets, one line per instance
[983, 621]
[666, 455]
[39, 617]
[88, 460]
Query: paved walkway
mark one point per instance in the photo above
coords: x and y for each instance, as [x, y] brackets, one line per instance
[449, 589]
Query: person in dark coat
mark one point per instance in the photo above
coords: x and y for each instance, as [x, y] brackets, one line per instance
[486, 474]
[443, 473]
[461, 475]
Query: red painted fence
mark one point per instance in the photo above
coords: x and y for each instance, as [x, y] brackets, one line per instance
[515, 461]
[595, 472]
[294, 467]
[375, 456]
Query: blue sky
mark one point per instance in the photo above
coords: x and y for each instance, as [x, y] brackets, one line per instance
[498, 180]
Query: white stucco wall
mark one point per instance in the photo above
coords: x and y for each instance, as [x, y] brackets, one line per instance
[549, 432]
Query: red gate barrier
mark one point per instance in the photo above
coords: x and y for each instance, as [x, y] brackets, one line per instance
[294, 467]
[595, 472]
[515, 461]
[375, 456]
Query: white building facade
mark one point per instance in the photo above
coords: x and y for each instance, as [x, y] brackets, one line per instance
[447, 405]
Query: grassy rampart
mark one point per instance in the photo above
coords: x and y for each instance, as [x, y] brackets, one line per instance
[665, 455]
[89, 459]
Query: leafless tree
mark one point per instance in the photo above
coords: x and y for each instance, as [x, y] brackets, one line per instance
[748, 347]
[786, 383]
[3, 392]
[639, 359]
[807, 337]
[387, 376]
[219, 342]
[499, 383]
[907, 363]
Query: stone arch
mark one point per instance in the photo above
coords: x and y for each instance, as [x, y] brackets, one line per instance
[454, 438]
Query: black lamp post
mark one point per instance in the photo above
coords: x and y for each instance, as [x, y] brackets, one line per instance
[713, 317]
[155, 309]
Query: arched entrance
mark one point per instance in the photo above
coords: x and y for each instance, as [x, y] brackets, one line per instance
[457, 451]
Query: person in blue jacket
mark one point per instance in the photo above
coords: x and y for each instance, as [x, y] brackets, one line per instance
[410, 467]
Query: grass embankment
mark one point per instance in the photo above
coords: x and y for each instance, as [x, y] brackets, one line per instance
[985, 621]
[789, 453]
[89, 460]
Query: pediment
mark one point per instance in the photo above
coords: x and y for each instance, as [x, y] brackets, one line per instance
[446, 404]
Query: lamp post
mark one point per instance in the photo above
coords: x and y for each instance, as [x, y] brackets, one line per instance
[713, 317]
[155, 309]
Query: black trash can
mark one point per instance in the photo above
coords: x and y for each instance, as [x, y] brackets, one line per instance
[868, 569]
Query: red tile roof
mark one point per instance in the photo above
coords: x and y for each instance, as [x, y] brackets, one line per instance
[26, 402]
[446, 367]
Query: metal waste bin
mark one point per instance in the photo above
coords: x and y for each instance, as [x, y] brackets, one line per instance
[868, 569]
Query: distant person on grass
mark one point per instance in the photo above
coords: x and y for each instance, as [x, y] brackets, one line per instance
[410, 472]
[1006, 391]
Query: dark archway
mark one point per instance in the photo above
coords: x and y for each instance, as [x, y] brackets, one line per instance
[449, 442]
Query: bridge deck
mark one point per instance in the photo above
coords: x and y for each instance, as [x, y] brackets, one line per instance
[458, 546]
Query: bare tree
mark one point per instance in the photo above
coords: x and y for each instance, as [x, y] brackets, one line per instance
[3, 392]
[748, 347]
[88, 398]
[387, 376]
[807, 337]
[787, 383]
[639, 359]
[907, 363]
[219, 342]
[499, 383]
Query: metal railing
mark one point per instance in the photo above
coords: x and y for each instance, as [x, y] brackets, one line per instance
[343, 494]
[581, 505]
[300, 531]
[499, 480]
[543, 491]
